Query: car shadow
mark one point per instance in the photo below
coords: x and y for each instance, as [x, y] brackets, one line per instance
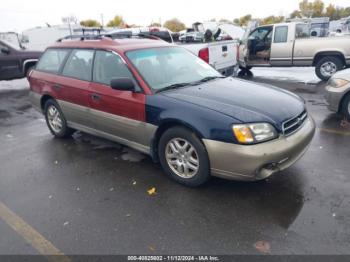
[277, 200]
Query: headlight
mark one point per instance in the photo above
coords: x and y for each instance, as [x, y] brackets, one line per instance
[254, 133]
[337, 82]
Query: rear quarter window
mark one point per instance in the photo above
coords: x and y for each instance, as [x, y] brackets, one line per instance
[52, 60]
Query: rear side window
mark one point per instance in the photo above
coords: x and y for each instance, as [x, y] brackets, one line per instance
[52, 60]
[79, 64]
[108, 66]
[281, 34]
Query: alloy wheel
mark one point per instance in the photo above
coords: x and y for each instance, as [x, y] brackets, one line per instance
[182, 157]
[54, 119]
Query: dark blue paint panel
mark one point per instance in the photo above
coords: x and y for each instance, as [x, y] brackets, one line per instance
[213, 107]
[161, 110]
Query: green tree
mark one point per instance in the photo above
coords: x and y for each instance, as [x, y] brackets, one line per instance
[295, 14]
[117, 21]
[305, 8]
[317, 8]
[331, 12]
[174, 25]
[90, 23]
[243, 21]
[272, 20]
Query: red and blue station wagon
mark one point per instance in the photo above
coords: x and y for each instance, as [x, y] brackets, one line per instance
[164, 101]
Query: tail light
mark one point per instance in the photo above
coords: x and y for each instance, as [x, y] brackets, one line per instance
[237, 53]
[204, 54]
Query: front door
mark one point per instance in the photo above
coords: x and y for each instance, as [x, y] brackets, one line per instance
[9, 63]
[116, 112]
[282, 46]
[259, 46]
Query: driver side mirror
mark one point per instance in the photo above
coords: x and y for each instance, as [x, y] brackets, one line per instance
[123, 84]
[5, 50]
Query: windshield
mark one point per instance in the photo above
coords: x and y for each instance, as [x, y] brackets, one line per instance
[170, 66]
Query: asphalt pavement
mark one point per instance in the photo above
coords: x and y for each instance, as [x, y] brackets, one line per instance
[86, 195]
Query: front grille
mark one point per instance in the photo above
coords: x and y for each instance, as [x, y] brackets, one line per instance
[292, 125]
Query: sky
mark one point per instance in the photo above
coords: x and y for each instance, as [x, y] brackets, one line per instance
[18, 15]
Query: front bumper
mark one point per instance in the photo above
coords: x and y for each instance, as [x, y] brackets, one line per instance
[333, 96]
[256, 162]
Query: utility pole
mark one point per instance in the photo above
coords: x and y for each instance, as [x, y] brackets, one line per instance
[101, 20]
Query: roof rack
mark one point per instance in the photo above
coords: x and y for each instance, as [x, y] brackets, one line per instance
[111, 36]
[130, 35]
[81, 37]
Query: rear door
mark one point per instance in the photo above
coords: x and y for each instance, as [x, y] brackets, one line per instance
[115, 112]
[73, 87]
[282, 46]
[223, 54]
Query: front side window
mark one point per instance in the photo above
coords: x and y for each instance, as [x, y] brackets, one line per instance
[260, 33]
[108, 66]
[166, 66]
[52, 60]
[79, 64]
[281, 34]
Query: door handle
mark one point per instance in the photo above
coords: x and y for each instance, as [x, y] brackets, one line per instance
[57, 86]
[95, 97]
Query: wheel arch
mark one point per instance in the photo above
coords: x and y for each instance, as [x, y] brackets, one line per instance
[43, 101]
[166, 125]
[27, 64]
[323, 54]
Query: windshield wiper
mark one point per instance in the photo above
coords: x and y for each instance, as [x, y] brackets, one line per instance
[173, 86]
[209, 78]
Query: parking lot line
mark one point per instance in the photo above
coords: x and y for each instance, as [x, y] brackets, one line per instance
[332, 131]
[33, 237]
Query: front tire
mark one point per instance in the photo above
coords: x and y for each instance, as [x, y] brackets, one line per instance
[183, 157]
[346, 107]
[55, 120]
[328, 66]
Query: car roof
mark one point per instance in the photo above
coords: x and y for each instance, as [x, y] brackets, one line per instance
[123, 45]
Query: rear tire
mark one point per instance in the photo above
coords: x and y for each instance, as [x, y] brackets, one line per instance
[183, 157]
[55, 120]
[328, 66]
[346, 107]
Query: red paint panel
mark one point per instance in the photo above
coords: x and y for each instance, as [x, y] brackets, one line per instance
[121, 103]
[72, 90]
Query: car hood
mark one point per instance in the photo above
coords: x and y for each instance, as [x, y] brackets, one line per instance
[244, 101]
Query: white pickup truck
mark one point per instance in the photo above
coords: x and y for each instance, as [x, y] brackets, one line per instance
[222, 55]
[291, 44]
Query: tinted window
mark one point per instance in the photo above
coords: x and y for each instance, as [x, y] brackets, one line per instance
[79, 65]
[302, 31]
[108, 66]
[52, 59]
[281, 34]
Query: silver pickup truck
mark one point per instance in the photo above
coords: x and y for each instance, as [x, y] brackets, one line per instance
[290, 44]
